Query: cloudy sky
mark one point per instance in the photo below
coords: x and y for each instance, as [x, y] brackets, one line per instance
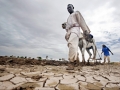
[32, 28]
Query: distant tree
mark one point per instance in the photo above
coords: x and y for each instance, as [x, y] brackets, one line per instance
[11, 56]
[39, 58]
[59, 58]
[25, 57]
[21, 57]
[46, 57]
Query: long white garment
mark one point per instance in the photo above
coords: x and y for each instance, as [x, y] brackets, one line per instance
[74, 22]
[73, 47]
[73, 34]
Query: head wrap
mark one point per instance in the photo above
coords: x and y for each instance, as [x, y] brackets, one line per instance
[71, 5]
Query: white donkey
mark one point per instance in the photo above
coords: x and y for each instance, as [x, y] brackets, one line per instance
[84, 44]
[87, 44]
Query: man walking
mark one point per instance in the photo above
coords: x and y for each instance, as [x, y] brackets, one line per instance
[106, 51]
[74, 22]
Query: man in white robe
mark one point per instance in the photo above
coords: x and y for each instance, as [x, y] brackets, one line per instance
[75, 21]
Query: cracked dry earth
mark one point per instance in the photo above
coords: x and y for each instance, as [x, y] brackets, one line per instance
[37, 77]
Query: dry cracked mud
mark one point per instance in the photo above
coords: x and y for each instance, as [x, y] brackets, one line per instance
[31, 74]
[48, 77]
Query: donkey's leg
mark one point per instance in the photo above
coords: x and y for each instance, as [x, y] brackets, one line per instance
[83, 56]
[83, 59]
[83, 50]
[88, 50]
[94, 53]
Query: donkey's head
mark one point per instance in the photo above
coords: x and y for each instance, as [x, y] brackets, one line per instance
[90, 38]
[64, 25]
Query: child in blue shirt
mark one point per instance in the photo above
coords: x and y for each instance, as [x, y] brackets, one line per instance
[106, 51]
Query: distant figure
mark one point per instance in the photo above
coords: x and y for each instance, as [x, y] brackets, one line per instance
[74, 22]
[106, 51]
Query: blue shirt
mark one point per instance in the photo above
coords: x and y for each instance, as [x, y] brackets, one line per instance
[105, 51]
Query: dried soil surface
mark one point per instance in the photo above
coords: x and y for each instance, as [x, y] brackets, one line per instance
[21, 74]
